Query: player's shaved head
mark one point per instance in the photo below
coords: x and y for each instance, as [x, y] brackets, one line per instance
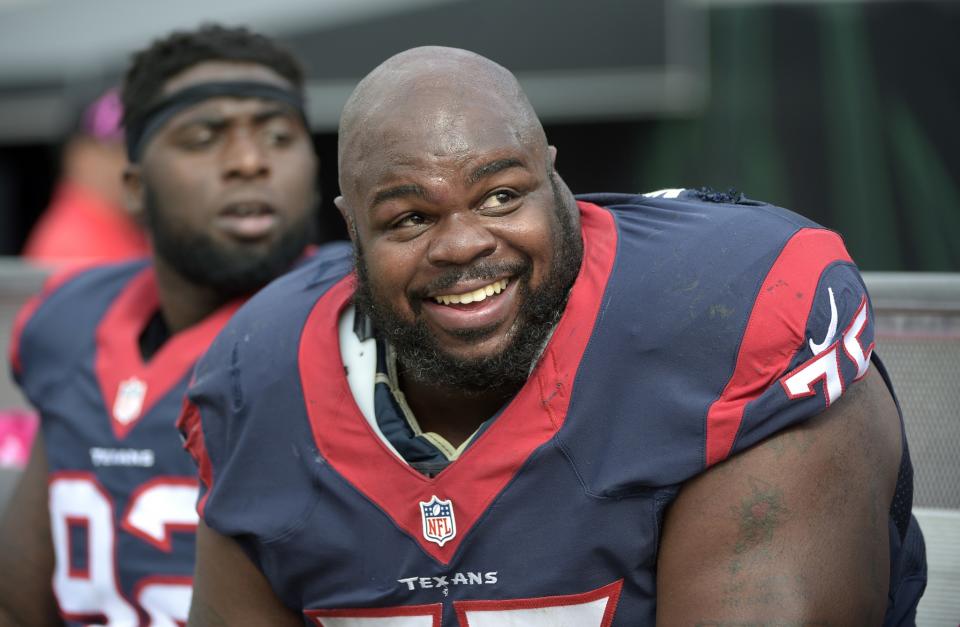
[428, 92]
[447, 181]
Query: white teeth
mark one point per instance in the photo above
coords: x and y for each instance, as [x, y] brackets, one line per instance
[475, 296]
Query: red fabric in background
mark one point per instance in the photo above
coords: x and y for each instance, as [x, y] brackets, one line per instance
[17, 431]
[80, 227]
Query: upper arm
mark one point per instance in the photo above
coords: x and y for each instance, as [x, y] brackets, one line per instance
[228, 589]
[26, 550]
[53, 283]
[793, 530]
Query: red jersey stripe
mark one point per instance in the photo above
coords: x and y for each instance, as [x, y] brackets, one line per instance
[775, 331]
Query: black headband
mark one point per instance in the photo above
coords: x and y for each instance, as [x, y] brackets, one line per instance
[138, 134]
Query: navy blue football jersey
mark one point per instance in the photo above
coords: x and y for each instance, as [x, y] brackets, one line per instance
[693, 331]
[122, 491]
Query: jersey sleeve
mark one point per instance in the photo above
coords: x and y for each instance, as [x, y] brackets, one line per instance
[239, 423]
[242, 418]
[808, 337]
[27, 314]
[724, 321]
[215, 424]
[221, 436]
[190, 427]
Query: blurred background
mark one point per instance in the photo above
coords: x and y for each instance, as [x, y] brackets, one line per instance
[846, 112]
[843, 111]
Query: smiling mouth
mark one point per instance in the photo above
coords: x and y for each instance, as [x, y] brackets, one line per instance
[473, 296]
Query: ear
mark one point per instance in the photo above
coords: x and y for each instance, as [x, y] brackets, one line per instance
[552, 156]
[133, 192]
[344, 209]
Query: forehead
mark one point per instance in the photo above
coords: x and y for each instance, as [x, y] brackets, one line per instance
[223, 71]
[435, 140]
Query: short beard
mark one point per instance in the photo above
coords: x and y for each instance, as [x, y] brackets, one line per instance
[418, 351]
[231, 271]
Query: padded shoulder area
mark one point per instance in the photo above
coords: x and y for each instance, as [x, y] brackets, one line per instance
[708, 307]
[57, 326]
[246, 389]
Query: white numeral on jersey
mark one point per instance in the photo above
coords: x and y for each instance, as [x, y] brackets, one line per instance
[852, 344]
[826, 365]
[581, 614]
[161, 506]
[166, 601]
[90, 588]
[594, 609]
[81, 510]
[590, 609]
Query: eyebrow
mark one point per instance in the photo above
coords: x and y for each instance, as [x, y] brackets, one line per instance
[489, 169]
[277, 111]
[219, 121]
[400, 191]
[481, 172]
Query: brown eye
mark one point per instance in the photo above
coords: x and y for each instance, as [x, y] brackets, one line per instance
[498, 199]
[197, 137]
[412, 220]
[279, 133]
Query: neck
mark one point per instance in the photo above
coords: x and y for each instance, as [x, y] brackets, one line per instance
[183, 303]
[452, 413]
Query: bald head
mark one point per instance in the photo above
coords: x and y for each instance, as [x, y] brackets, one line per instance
[434, 93]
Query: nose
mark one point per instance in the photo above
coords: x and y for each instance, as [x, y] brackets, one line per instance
[459, 240]
[244, 157]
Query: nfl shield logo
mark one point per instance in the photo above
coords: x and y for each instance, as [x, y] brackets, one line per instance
[129, 401]
[439, 525]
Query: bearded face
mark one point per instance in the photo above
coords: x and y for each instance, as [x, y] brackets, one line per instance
[231, 268]
[422, 353]
[227, 187]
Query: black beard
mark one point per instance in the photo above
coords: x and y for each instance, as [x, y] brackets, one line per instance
[231, 271]
[418, 351]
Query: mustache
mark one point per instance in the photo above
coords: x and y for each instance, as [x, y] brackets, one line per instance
[477, 272]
